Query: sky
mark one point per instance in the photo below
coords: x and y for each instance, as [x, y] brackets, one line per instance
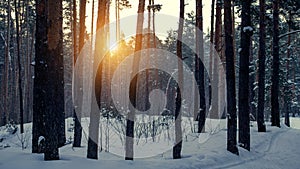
[169, 7]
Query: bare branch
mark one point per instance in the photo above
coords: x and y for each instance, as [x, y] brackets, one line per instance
[288, 33]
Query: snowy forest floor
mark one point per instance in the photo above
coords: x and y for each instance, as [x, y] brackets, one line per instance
[277, 148]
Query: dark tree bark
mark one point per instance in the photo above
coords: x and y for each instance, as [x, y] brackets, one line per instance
[287, 102]
[252, 77]
[133, 89]
[211, 47]
[275, 114]
[48, 104]
[199, 67]
[40, 75]
[178, 131]
[212, 17]
[92, 151]
[78, 108]
[3, 119]
[211, 42]
[261, 70]
[246, 33]
[230, 79]
[77, 126]
[54, 112]
[215, 114]
[19, 68]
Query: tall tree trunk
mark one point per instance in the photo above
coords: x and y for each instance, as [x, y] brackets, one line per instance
[27, 68]
[19, 68]
[54, 112]
[133, 89]
[275, 114]
[252, 78]
[117, 10]
[246, 33]
[48, 104]
[261, 68]
[100, 47]
[199, 66]
[78, 108]
[77, 126]
[287, 100]
[178, 131]
[215, 114]
[212, 18]
[40, 76]
[230, 79]
[6, 70]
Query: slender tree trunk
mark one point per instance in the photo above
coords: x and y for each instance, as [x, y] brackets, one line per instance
[100, 47]
[19, 68]
[215, 114]
[117, 10]
[133, 90]
[78, 108]
[212, 18]
[211, 47]
[261, 69]
[74, 31]
[287, 100]
[199, 69]
[230, 79]
[275, 114]
[27, 68]
[6, 70]
[40, 76]
[252, 78]
[178, 131]
[246, 33]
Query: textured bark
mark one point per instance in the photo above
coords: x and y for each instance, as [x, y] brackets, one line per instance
[230, 79]
[252, 78]
[211, 46]
[48, 104]
[211, 36]
[78, 108]
[92, 151]
[215, 114]
[261, 69]
[178, 131]
[20, 87]
[275, 114]
[244, 120]
[40, 75]
[287, 103]
[54, 113]
[199, 66]
[133, 89]
[3, 119]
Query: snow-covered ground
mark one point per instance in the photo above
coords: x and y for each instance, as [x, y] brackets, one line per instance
[277, 148]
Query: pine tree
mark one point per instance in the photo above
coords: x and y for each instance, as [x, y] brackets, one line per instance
[230, 79]
[199, 66]
[78, 108]
[92, 151]
[261, 75]
[133, 89]
[275, 114]
[178, 131]
[246, 33]
[48, 120]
